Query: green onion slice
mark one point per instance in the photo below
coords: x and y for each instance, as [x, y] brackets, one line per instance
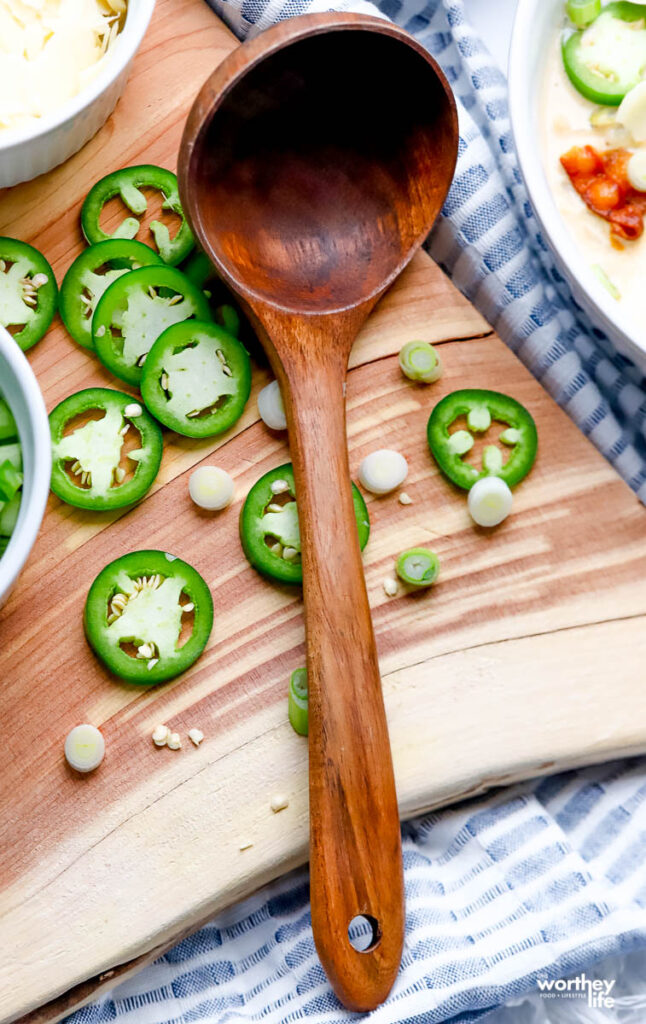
[418, 567]
[419, 361]
[583, 12]
[609, 285]
[298, 701]
[10, 480]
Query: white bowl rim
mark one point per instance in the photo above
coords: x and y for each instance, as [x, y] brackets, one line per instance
[32, 509]
[126, 45]
[530, 161]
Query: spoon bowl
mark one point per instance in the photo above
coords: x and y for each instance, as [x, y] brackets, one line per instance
[321, 166]
[313, 165]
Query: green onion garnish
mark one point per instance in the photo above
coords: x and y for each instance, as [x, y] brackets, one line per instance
[420, 362]
[298, 701]
[583, 12]
[418, 567]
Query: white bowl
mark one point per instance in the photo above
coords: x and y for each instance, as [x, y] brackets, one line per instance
[535, 25]
[20, 388]
[28, 152]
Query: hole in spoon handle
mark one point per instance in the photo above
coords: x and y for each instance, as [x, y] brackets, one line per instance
[364, 933]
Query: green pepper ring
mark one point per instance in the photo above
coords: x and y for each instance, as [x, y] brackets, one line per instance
[502, 408]
[13, 250]
[122, 252]
[159, 276]
[95, 617]
[125, 183]
[146, 469]
[199, 269]
[253, 538]
[180, 336]
[595, 87]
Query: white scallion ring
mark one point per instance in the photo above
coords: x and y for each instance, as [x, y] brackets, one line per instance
[489, 501]
[271, 408]
[419, 361]
[84, 748]
[383, 471]
[211, 488]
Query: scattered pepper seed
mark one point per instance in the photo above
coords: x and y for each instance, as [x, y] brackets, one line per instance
[279, 487]
[174, 741]
[133, 410]
[279, 802]
[195, 736]
[405, 499]
[245, 846]
[161, 735]
[390, 586]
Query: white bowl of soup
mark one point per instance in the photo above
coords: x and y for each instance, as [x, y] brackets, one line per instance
[551, 118]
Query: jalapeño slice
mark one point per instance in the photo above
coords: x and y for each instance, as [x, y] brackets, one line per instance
[269, 528]
[148, 616]
[96, 465]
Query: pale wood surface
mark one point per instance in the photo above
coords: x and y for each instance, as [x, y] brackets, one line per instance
[527, 656]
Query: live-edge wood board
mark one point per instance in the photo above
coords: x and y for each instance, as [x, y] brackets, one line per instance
[526, 657]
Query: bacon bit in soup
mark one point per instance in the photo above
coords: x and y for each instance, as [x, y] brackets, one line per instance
[602, 181]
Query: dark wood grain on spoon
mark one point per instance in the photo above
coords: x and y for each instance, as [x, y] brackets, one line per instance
[313, 164]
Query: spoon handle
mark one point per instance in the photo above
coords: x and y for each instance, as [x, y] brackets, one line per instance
[355, 843]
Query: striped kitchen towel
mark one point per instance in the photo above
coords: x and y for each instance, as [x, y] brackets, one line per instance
[538, 881]
[534, 882]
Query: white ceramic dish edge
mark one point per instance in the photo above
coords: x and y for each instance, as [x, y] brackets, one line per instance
[19, 384]
[534, 26]
[27, 152]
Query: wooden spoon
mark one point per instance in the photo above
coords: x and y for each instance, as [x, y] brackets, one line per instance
[313, 164]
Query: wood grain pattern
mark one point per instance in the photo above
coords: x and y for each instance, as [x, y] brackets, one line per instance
[311, 193]
[527, 656]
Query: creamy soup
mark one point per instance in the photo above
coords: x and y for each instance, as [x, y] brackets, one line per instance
[565, 123]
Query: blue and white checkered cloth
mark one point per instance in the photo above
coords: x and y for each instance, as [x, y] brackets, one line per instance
[537, 881]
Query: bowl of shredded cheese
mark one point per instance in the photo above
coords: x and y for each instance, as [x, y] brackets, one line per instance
[65, 63]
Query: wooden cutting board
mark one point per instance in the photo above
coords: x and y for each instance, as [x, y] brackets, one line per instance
[526, 657]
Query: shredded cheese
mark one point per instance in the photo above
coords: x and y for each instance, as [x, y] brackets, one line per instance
[49, 51]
